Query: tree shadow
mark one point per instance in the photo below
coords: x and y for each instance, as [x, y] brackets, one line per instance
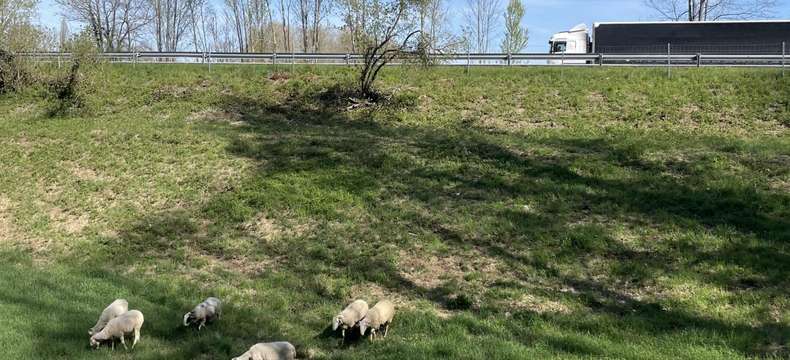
[320, 162]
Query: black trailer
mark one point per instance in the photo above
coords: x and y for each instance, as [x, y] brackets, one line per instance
[711, 38]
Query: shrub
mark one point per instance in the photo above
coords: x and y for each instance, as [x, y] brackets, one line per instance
[13, 72]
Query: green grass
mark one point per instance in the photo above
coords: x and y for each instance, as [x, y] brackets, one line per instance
[510, 213]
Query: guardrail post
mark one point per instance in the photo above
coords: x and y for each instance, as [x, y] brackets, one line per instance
[293, 59]
[208, 60]
[669, 60]
[509, 58]
[699, 59]
[468, 60]
[600, 59]
[348, 59]
[274, 60]
[562, 65]
[136, 57]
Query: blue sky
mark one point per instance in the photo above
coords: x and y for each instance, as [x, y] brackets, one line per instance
[543, 17]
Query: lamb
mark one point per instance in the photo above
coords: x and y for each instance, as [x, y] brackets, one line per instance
[209, 310]
[129, 322]
[350, 316]
[280, 350]
[116, 308]
[379, 315]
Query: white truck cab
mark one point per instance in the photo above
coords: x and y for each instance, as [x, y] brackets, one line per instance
[574, 41]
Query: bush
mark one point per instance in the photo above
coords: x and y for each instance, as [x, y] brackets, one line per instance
[13, 72]
[67, 89]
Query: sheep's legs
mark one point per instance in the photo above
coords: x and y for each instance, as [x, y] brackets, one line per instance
[112, 344]
[124, 343]
[386, 328]
[136, 337]
[202, 324]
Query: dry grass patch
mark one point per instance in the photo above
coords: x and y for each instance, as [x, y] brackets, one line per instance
[263, 227]
[70, 223]
[6, 219]
[217, 116]
[431, 272]
[84, 173]
[537, 304]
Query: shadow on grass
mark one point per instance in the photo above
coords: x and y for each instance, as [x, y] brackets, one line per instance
[319, 164]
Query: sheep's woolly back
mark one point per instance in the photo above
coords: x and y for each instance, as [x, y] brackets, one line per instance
[351, 314]
[381, 313]
[115, 309]
[208, 310]
[280, 350]
[121, 325]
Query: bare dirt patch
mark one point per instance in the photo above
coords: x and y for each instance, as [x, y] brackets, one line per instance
[214, 115]
[6, 219]
[470, 272]
[68, 222]
[537, 304]
[263, 227]
[279, 77]
[169, 92]
[596, 98]
[84, 173]
[268, 228]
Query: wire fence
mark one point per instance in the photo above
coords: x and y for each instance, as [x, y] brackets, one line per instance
[669, 56]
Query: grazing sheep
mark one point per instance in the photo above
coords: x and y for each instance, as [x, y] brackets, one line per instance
[350, 316]
[280, 350]
[129, 322]
[115, 309]
[209, 310]
[379, 315]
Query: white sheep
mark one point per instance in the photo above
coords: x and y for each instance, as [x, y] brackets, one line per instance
[350, 316]
[209, 310]
[116, 308]
[379, 315]
[280, 350]
[129, 322]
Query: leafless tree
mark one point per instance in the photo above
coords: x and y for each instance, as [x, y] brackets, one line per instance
[253, 24]
[482, 16]
[311, 15]
[434, 25]
[712, 10]
[390, 34]
[114, 24]
[171, 21]
[285, 24]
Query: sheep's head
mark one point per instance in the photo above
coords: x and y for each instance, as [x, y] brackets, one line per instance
[94, 342]
[363, 325]
[336, 322]
[187, 318]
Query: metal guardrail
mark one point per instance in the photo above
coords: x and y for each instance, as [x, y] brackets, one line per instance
[456, 59]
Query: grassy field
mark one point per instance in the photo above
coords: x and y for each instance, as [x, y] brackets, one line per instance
[510, 213]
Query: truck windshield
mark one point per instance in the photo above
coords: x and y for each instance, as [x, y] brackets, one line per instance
[558, 47]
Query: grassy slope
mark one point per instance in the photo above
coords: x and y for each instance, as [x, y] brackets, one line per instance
[512, 213]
